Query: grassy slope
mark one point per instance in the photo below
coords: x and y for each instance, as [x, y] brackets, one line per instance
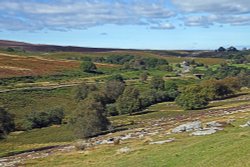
[22, 102]
[59, 135]
[225, 148]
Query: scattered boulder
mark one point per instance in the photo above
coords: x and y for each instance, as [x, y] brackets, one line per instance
[231, 121]
[219, 124]
[117, 141]
[196, 125]
[203, 132]
[81, 145]
[246, 124]
[147, 140]
[163, 141]
[124, 150]
[213, 124]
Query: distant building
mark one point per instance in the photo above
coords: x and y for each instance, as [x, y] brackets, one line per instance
[185, 67]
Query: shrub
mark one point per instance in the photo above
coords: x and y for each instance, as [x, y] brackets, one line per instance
[157, 83]
[111, 110]
[192, 98]
[172, 90]
[43, 119]
[217, 89]
[113, 89]
[6, 123]
[88, 66]
[81, 91]
[129, 101]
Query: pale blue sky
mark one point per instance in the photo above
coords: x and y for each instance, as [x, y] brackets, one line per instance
[155, 24]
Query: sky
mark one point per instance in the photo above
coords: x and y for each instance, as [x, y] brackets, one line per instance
[135, 24]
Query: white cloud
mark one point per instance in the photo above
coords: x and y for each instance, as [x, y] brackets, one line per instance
[63, 15]
[70, 14]
[214, 6]
[163, 26]
[206, 13]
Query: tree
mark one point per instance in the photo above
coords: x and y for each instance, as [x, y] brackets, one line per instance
[88, 66]
[157, 83]
[42, 119]
[56, 115]
[192, 98]
[221, 49]
[144, 76]
[81, 91]
[111, 109]
[217, 89]
[172, 90]
[129, 101]
[89, 119]
[6, 123]
[113, 89]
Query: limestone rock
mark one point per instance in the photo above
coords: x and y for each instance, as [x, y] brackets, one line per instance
[246, 124]
[124, 150]
[163, 141]
[204, 132]
[213, 124]
[196, 125]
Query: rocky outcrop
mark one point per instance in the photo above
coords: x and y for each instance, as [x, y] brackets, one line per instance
[246, 124]
[190, 126]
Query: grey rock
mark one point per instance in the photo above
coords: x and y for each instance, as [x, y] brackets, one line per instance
[204, 132]
[246, 124]
[213, 124]
[196, 125]
[163, 141]
[124, 150]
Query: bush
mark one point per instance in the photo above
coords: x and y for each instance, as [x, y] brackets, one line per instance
[111, 110]
[217, 89]
[129, 101]
[88, 66]
[172, 90]
[6, 123]
[157, 83]
[113, 89]
[192, 98]
[43, 119]
[81, 91]
[152, 96]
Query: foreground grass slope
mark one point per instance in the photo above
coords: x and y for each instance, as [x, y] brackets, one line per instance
[225, 148]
